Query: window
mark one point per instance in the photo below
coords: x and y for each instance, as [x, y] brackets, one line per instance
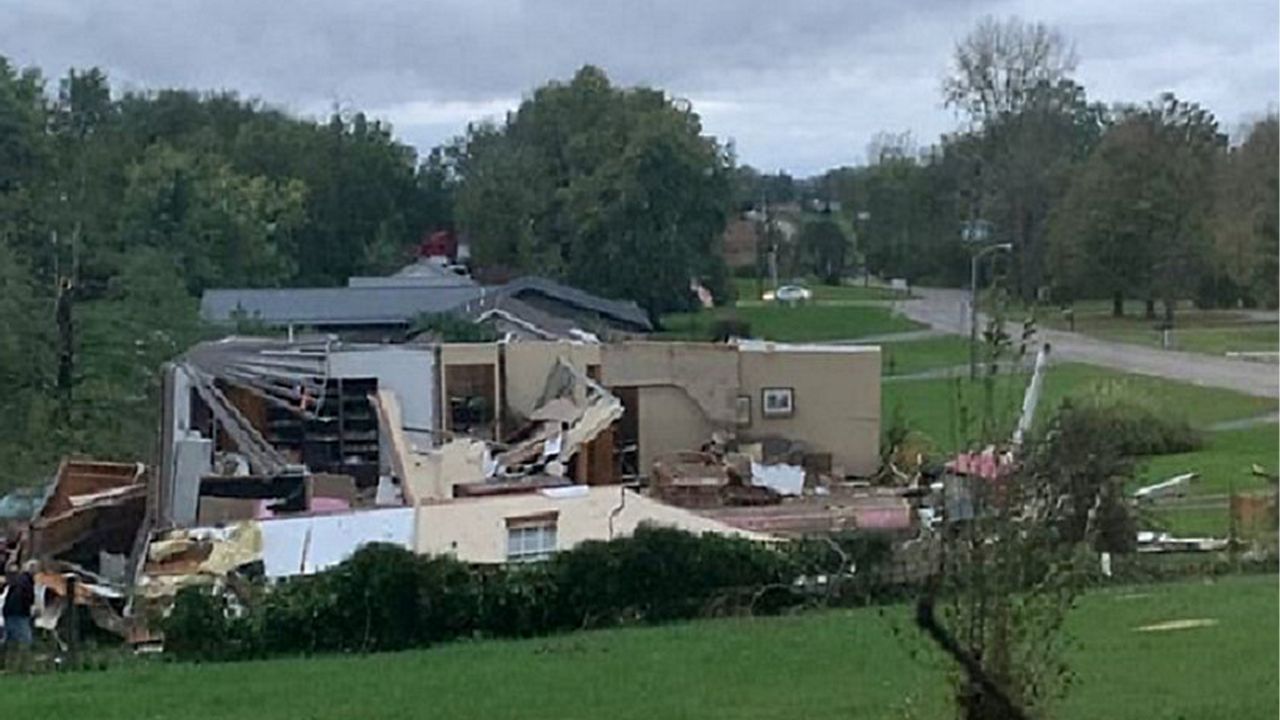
[777, 402]
[743, 410]
[531, 538]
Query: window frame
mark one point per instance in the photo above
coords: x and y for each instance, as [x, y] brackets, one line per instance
[742, 410]
[532, 538]
[767, 412]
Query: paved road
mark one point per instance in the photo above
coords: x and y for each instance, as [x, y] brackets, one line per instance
[945, 309]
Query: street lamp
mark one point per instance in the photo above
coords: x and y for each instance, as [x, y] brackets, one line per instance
[973, 303]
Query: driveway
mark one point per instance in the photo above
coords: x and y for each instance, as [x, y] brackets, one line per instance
[947, 310]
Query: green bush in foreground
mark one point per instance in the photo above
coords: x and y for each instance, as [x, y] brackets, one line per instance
[386, 598]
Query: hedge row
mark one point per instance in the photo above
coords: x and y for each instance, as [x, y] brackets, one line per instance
[386, 598]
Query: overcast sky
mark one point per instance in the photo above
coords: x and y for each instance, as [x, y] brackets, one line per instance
[800, 86]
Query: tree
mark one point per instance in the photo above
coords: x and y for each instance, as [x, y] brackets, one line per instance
[1245, 216]
[998, 65]
[1009, 568]
[825, 246]
[905, 209]
[1032, 155]
[615, 190]
[116, 211]
[1135, 221]
[1028, 124]
[26, 356]
[223, 227]
[145, 318]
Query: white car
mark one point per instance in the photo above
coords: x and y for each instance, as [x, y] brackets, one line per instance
[789, 294]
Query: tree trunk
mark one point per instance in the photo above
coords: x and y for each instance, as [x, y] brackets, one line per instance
[1168, 312]
[1150, 312]
[1117, 304]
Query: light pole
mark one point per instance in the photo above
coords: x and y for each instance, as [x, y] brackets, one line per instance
[973, 303]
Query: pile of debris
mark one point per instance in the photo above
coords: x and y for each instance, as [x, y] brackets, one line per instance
[727, 472]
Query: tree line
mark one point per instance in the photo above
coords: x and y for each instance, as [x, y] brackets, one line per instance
[1145, 201]
[117, 209]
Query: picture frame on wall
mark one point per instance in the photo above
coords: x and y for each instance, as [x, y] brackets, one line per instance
[777, 402]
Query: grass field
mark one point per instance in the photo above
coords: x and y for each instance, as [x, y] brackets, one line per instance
[804, 323]
[938, 407]
[915, 356]
[846, 664]
[749, 291]
[1225, 459]
[1212, 332]
[1224, 465]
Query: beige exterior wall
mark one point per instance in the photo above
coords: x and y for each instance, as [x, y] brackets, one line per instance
[529, 363]
[836, 395]
[475, 529]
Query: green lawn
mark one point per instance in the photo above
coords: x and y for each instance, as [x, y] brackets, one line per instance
[1213, 332]
[749, 291]
[1225, 459]
[914, 356]
[867, 663]
[939, 408]
[1223, 464]
[804, 323]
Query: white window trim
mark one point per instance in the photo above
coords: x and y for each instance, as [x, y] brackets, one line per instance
[531, 539]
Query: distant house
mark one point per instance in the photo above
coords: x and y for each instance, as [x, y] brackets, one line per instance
[739, 246]
[385, 308]
[592, 312]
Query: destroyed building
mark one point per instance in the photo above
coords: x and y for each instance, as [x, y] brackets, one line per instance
[281, 457]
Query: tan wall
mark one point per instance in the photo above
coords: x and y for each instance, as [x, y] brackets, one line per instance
[707, 373]
[688, 390]
[685, 391]
[836, 398]
[475, 530]
[529, 363]
[670, 421]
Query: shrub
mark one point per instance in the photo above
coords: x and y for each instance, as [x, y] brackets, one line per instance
[386, 598]
[1134, 428]
[202, 626]
[728, 328]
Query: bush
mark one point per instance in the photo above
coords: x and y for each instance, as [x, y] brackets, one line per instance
[386, 598]
[1135, 429]
[725, 329]
[202, 626]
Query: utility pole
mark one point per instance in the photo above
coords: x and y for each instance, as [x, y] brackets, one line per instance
[973, 303]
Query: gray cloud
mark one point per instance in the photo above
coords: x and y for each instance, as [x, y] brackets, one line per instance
[801, 86]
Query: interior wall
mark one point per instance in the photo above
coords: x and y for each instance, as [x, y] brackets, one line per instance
[836, 398]
[669, 421]
[707, 373]
[528, 363]
[466, 354]
[409, 373]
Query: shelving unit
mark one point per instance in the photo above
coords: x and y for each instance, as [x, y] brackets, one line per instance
[343, 437]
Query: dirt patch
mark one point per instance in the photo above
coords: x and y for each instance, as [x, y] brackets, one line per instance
[1187, 624]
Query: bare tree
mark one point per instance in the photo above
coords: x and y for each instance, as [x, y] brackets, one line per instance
[997, 65]
[887, 146]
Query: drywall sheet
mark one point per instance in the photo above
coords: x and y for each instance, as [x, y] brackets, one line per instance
[305, 545]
